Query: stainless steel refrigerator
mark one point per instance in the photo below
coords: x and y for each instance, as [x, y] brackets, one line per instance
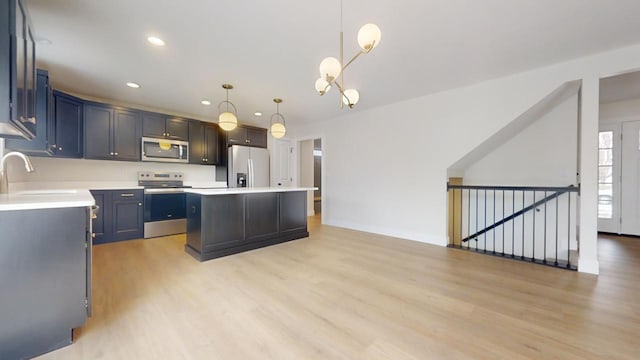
[248, 166]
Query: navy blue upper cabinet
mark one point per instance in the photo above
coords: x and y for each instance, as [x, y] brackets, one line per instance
[17, 72]
[40, 145]
[247, 136]
[97, 132]
[68, 124]
[126, 135]
[203, 143]
[164, 126]
[112, 133]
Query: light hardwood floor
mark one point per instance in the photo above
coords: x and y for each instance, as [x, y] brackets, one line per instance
[343, 294]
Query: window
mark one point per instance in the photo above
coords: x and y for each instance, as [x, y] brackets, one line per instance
[605, 175]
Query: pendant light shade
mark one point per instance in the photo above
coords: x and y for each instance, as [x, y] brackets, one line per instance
[350, 97]
[227, 120]
[330, 69]
[369, 37]
[278, 129]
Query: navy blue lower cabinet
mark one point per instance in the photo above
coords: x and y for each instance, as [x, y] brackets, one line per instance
[220, 225]
[120, 215]
[45, 279]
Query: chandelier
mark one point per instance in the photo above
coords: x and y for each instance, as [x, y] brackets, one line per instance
[332, 69]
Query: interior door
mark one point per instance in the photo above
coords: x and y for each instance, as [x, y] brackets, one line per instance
[630, 179]
[282, 163]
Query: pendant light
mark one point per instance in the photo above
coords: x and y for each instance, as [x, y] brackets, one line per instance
[332, 69]
[278, 129]
[227, 120]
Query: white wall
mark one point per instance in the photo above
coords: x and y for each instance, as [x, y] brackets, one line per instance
[616, 112]
[386, 167]
[543, 154]
[306, 171]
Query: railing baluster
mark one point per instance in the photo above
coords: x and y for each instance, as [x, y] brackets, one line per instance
[494, 221]
[513, 222]
[468, 215]
[523, 220]
[460, 239]
[569, 231]
[533, 238]
[485, 220]
[544, 259]
[476, 219]
[556, 262]
[503, 224]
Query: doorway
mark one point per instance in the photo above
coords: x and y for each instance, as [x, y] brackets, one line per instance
[619, 155]
[310, 174]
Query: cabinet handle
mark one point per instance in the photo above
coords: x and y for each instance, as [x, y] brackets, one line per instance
[60, 148]
[164, 134]
[116, 154]
[139, 204]
[127, 195]
[168, 134]
[54, 146]
[93, 235]
[247, 141]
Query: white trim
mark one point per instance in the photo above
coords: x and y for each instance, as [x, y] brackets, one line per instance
[589, 266]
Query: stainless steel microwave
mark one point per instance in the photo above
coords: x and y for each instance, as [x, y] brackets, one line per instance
[163, 150]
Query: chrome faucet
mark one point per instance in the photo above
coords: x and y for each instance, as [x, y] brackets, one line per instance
[4, 178]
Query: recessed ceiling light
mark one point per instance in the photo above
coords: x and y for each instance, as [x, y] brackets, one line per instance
[205, 102]
[133, 85]
[257, 113]
[155, 41]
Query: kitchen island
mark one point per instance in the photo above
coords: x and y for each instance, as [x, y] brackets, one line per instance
[222, 222]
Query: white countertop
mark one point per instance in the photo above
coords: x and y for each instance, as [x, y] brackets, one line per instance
[45, 199]
[252, 190]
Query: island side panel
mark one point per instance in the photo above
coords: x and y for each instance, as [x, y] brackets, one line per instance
[194, 224]
[293, 212]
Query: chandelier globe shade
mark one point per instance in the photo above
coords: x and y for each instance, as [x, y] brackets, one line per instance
[369, 37]
[351, 97]
[322, 86]
[330, 68]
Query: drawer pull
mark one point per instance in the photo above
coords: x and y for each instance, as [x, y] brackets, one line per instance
[127, 195]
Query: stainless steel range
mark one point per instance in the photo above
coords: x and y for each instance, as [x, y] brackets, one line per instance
[164, 203]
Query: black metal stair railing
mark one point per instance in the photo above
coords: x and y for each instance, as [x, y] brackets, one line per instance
[529, 223]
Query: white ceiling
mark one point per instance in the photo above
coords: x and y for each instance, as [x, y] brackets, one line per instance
[272, 49]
